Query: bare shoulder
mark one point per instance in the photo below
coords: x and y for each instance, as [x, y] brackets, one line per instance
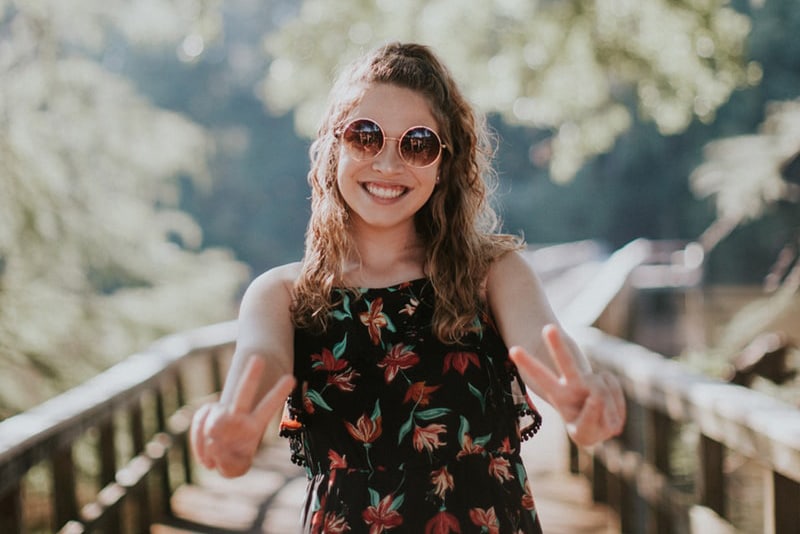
[268, 298]
[509, 270]
[516, 296]
[277, 282]
[265, 318]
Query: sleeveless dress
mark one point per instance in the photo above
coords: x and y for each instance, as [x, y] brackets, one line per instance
[400, 432]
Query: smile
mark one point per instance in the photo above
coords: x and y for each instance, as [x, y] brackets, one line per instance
[384, 191]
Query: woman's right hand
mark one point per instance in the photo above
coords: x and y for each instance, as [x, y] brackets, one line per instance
[226, 437]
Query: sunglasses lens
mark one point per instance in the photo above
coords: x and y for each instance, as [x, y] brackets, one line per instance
[363, 138]
[420, 147]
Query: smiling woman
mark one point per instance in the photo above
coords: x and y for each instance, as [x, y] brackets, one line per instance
[403, 337]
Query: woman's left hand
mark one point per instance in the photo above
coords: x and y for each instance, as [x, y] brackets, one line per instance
[592, 405]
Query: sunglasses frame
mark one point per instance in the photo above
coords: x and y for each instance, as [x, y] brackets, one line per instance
[442, 147]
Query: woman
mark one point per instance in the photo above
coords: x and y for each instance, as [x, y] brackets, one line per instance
[391, 336]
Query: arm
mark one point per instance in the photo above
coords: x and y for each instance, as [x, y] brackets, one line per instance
[549, 361]
[265, 330]
[226, 434]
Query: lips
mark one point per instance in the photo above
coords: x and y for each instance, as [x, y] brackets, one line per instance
[385, 192]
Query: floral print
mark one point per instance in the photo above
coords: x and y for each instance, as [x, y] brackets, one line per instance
[400, 432]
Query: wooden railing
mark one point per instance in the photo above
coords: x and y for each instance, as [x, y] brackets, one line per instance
[107, 455]
[669, 471]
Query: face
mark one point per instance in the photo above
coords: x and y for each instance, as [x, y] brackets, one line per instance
[384, 192]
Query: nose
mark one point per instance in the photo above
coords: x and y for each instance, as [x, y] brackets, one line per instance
[388, 160]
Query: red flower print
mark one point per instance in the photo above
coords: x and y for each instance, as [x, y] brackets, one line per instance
[527, 498]
[343, 380]
[337, 461]
[506, 447]
[469, 447]
[308, 406]
[419, 393]
[335, 524]
[399, 357]
[498, 468]
[374, 320]
[442, 523]
[428, 437]
[326, 361]
[382, 517]
[460, 361]
[486, 519]
[442, 482]
[365, 430]
[410, 308]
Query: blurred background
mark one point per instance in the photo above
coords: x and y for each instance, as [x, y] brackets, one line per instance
[153, 153]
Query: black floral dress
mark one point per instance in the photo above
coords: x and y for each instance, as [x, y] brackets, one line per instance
[400, 432]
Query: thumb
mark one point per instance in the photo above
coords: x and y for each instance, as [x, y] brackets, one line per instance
[274, 399]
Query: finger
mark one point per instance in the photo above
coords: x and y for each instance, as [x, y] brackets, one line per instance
[247, 389]
[274, 399]
[197, 438]
[562, 355]
[534, 372]
[587, 426]
[616, 411]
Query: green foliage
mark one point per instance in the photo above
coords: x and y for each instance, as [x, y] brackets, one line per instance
[575, 67]
[743, 173]
[95, 258]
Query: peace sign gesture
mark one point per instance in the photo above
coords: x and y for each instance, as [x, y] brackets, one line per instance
[225, 436]
[592, 404]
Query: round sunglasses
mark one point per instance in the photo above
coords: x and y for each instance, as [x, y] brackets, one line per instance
[419, 146]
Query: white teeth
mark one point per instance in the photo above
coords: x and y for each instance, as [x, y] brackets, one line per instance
[384, 191]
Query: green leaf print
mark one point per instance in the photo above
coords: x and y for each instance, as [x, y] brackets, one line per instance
[374, 497]
[344, 313]
[463, 430]
[340, 347]
[317, 399]
[397, 502]
[433, 413]
[476, 323]
[389, 324]
[521, 475]
[481, 396]
[340, 315]
[376, 412]
[482, 440]
[405, 429]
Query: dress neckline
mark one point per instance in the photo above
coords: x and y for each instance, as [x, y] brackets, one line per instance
[392, 287]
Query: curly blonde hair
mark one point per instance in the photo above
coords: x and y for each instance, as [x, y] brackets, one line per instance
[458, 226]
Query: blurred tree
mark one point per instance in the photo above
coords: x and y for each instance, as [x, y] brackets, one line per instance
[579, 68]
[756, 176]
[95, 260]
[257, 204]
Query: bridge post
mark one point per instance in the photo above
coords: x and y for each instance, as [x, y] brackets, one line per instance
[711, 478]
[11, 510]
[781, 504]
[65, 502]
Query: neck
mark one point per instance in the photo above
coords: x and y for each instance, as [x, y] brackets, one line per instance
[385, 257]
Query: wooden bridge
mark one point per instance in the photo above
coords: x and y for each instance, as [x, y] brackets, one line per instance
[112, 454]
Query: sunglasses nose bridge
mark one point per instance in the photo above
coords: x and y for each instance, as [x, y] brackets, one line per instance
[382, 153]
[397, 141]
